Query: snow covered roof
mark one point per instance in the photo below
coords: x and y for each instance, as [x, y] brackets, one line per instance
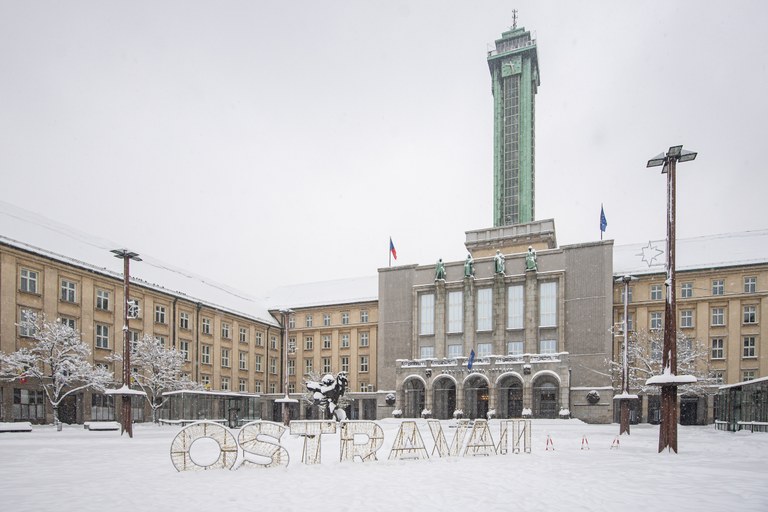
[39, 235]
[325, 293]
[724, 250]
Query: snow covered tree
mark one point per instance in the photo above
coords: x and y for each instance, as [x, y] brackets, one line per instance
[644, 357]
[57, 359]
[156, 369]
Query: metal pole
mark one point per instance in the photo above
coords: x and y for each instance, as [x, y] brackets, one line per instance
[285, 411]
[624, 405]
[126, 424]
[668, 430]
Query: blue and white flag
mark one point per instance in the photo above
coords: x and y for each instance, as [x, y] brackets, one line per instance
[471, 359]
[603, 222]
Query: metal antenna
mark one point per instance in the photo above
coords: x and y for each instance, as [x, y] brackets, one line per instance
[514, 18]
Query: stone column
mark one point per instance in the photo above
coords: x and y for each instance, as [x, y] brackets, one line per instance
[531, 314]
[440, 327]
[469, 315]
[499, 316]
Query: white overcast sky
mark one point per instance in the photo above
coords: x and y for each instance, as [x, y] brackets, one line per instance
[270, 143]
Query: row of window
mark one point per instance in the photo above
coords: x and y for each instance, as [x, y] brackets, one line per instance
[748, 347]
[326, 319]
[28, 282]
[327, 367]
[686, 289]
[719, 375]
[484, 309]
[514, 348]
[717, 317]
[326, 341]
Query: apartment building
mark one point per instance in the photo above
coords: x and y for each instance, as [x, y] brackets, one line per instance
[722, 284]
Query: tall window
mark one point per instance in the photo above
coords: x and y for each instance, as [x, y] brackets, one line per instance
[273, 365]
[345, 340]
[259, 339]
[655, 292]
[309, 343]
[750, 284]
[225, 383]
[291, 367]
[345, 318]
[257, 363]
[455, 311]
[750, 314]
[630, 322]
[291, 322]
[184, 320]
[243, 335]
[718, 348]
[308, 320]
[243, 386]
[207, 326]
[326, 361]
[718, 287]
[484, 349]
[686, 318]
[427, 313]
[27, 326]
[363, 339]
[484, 309]
[102, 300]
[308, 366]
[28, 280]
[326, 319]
[718, 377]
[548, 304]
[257, 386]
[28, 404]
[69, 322]
[629, 294]
[363, 316]
[102, 336]
[68, 291]
[718, 317]
[225, 357]
[326, 341]
[225, 330]
[747, 375]
[686, 290]
[243, 360]
[515, 307]
[547, 346]
[184, 349]
[427, 352]
[749, 346]
[273, 342]
[455, 350]
[363, 363]
[345, 364]
[205, 380]
[159, 314]
[657, 321]
[515, 348]
[205, 354]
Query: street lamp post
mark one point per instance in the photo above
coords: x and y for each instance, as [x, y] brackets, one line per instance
[285, 400]
[669, 381]
[625, 396]
[125, 414]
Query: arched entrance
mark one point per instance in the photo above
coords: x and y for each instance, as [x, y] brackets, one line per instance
[510, 403]
[476, 397]
[444, 398]
[545, 397]
[414, 398]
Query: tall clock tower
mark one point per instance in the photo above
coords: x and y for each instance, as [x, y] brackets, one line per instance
[514, 67]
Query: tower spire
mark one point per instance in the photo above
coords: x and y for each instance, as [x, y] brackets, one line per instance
[514, 18]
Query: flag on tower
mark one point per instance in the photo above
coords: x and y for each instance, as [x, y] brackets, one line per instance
[471, 360]
[603, 222]
[392, 250]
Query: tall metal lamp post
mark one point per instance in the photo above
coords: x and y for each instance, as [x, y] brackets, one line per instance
[286, 412]
[125, 414]
[669, 380]
[625, 397]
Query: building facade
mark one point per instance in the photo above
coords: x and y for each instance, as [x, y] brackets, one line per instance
[225, 348]
[722, 285]
[514, 67]
[511, 342]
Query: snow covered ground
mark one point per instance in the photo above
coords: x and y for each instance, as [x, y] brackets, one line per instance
[82, 470]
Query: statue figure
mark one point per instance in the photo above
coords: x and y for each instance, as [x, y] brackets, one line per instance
[530, 260]
[440, 270]
[498, 262]
[328, 392]
[469, 267]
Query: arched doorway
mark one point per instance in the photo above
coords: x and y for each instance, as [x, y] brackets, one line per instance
[545, 397]
[414, 398]
[444, 398]
[510, 403]
[476, 397]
